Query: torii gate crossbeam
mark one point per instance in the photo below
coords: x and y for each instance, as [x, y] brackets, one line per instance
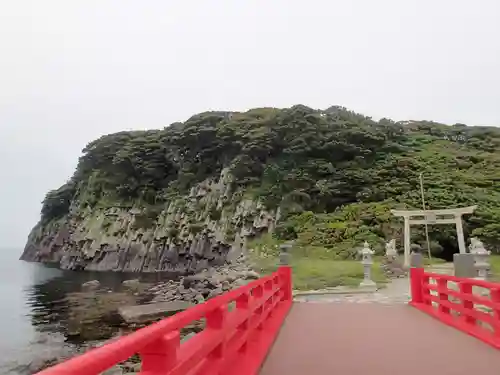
[445, 216]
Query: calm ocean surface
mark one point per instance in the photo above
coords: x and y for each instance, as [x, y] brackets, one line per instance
[32, 304]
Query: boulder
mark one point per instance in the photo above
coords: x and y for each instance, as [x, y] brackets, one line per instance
[152, 311]
[133, 284]
[130, 368]
[226, 286]
[199, 298]
[91, 285]
[232, 276]
[217, 279]
[240, 282]
[170, 294]
[115, 370]
[191, 280]
[252, 275]
[215, 292]
[38, 365]
[205, 292]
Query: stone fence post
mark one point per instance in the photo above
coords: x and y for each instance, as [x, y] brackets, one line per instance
[285, 254]
[416, 259]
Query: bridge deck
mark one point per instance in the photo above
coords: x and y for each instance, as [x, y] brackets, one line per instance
[350, 338]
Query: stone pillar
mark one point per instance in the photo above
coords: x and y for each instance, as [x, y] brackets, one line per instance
[407, 240]
[460, 234]
[463, 265]
[285, 254]
[416, 260]
[367, 263]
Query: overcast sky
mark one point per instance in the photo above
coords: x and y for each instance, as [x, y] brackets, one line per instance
[73, 70]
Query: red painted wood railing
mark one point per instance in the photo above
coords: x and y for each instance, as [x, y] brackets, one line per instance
[457, 305]
[232, 342]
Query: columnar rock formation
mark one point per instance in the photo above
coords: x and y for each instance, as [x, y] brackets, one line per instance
[188, 235]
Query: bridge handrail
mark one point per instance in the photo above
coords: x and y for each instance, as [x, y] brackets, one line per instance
[243, 335]
[462, 314]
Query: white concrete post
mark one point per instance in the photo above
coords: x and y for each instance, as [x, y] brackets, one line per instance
[407, 241]
[367, 263]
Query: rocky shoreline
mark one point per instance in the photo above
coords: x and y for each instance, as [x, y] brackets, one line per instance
[205, 285]
[96, 314]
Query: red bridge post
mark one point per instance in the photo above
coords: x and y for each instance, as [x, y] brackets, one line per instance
[416, 283]
[161, 355]
[286, 276]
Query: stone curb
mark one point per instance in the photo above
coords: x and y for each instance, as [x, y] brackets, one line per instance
[300, 293]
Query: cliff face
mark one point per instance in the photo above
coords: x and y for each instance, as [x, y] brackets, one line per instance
[193, 194]
[189, 234]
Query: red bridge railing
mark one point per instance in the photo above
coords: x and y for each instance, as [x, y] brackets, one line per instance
[470, 305]
[232, 342]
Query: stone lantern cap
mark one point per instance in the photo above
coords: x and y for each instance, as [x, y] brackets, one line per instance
[286, 246]
[366, 249]
[477, 247]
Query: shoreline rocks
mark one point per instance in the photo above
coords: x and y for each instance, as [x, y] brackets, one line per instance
[393, 268]
[202, 286]
[96, 313]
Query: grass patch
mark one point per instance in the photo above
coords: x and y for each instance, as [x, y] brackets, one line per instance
[495, 267]
[320, 273]
[312, 268]
[495, 264]
[434, 261]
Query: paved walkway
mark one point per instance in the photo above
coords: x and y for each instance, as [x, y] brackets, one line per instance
[375, 338]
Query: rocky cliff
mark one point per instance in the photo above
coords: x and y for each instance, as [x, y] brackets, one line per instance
[193, 194]
[189, 234]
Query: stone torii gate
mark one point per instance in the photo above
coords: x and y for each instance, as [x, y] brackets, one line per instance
[446, 216]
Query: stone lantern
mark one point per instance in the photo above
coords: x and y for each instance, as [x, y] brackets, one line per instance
[390, 250]
[481, 258]
[367, 262]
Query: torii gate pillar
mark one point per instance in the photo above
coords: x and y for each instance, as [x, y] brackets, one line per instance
[447, 216]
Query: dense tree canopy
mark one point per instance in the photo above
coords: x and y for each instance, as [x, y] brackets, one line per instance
[334, 173]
